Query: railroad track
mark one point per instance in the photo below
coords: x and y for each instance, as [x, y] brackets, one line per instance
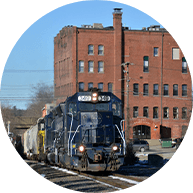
[84, 182]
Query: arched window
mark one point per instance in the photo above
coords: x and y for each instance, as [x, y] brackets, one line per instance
[145, 90]
[166, 90]
[90, 85]
[90, 66]
[90, 49]
[166, 112]
[110, 87]
[184, 113]
[135, 112]
[184, 90]
[100, 86]
[81, 86]
[100, 50]
[136, 89]
[175, 90]
[155, 89]
[175, 113]
[155, 112]
[100, 66]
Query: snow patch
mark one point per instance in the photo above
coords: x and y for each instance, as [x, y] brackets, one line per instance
[125, 179]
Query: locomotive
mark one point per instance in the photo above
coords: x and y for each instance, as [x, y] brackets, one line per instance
[84, 133]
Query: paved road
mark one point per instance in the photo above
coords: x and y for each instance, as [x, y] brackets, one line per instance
[166, 153]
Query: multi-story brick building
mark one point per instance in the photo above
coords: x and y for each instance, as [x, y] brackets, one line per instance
[159, 92]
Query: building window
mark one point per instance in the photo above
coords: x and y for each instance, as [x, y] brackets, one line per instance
[100, 50]
[155, 112]
[166, 89]
[141, 132]
[155, 89]
[175, 53]
[155, 52]
[184, 90]
[81, 86]
[100, 66]
[90, 66]
[136, 89]
[90, 49]
[145, 111]
[175, 90]
[184, 113]
[145, 64]
[175, 113]
[145, 90]
[135, 112]
[81, 66]
[90, 85]
[184, 65]
[110, 87]
[165, 112]
[100, 86]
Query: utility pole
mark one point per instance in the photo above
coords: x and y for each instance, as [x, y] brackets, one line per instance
[127, 103]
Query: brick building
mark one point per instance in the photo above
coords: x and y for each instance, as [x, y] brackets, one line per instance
[159, 79]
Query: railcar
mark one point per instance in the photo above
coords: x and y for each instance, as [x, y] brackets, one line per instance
[33, 141]
[85, 132]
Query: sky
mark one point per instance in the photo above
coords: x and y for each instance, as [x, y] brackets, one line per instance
[31, 59]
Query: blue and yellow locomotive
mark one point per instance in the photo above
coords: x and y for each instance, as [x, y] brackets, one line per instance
[85, 132]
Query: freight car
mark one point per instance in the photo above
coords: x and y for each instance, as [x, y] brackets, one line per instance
[85, 132]
[33, 141]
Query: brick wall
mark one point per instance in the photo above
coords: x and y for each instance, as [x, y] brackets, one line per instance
[120, 45]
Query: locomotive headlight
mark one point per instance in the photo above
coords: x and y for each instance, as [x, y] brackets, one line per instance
[81, 148]
[115, 148]
[94, 97]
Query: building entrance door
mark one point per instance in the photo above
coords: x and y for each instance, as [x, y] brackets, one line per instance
[165, 132]
[141, 132]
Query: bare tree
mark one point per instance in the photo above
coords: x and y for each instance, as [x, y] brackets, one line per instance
[7, 113]
[41, 94]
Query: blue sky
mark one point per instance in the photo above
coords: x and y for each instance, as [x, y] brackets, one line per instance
[31, 60]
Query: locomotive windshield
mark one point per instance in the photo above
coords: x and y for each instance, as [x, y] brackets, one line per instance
[100, 135]
[102, 106]
[86, 106]
[91, 107]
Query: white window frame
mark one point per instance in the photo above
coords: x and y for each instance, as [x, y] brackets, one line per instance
[100, 50]
[100, 68]
[175, 53]
[110, 87]
[90, 49]
[91, 66]
[90, 83]
[166, 112]
[81, 84]
[175, 112]
[101, 83]
[135, 112]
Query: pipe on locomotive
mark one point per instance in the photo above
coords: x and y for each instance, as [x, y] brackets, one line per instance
[122, 139]
[72, 139]
[122, 127]
[70, 133]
